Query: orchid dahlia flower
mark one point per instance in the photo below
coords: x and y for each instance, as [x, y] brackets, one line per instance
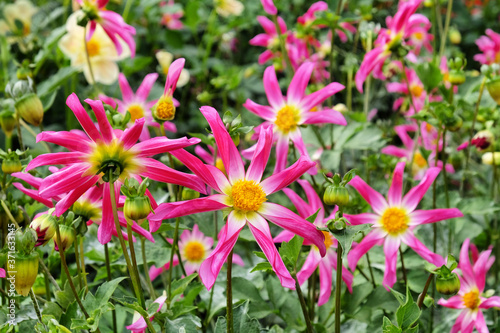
[286, 114]
[395, 219]
[269, 39]
[490, 46]
[139, 324]
[470, 299]
[112, 23]
[103, 156]
[326, 264]
[242, 195]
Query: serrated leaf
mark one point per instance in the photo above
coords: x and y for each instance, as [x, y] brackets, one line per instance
[429, 74]
[178, 286]
[389, 327]
[312, 218]
[188, 323]
[346, 236]
[407, 314]
[289, 251]
[242, 323]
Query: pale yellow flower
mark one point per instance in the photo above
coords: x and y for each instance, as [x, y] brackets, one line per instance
[101, 50]
[165, 59]
[228, 7]
[22, 11]
[488, 158]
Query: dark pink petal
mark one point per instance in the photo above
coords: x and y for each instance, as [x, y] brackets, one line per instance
[260, 230]
[303, 208]
[374, 199]
[282, 144]
[396, 190]
[174, 72]
[92, 27]
[413, 197]
[491, 302]
[144, 89]
[69, 140]
[370, 240]
[324, 117]
[227, 150]
[265, 56]
[464, 263]
[68, 200]
[283, 236]
[286, 219]
[391, 246]
[296, 137]
[267, 25]
[325, 282]
[318, 97]
[28, 178]
[372, 60]
[363, 218]
[63, 181]
[127, 93]
[55, 159]
[2, 273]
[132, 134]
[88, 126]
[314, 201]
[299, 82]
[433, 215]
[417, 246]
[182, 208]
[262, 111]
[480, 323]
[454, 302]
[312, 261]
[162, 144]
[210, 267]
[269, 7]
[272, 88]
[480, 269]
[396, 151]
[102, 120]
[107, 225]
[261, 155]
[33, 194]
[284, 178]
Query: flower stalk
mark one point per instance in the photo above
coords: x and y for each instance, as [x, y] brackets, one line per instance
[229, 294]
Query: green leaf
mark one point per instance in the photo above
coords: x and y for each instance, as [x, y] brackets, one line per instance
[346, 236]
[429, 74]
[242, 323]
[290, 251]
[245, 289]
[262, 266]
[56, 81]
[389, 327]
[178, 286]
[188, 323]
[312, 218]
[408, 313]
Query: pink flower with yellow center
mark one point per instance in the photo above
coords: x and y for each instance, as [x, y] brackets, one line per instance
[285, 114]
[326, 264]
[105, 155]
[413, 89]
[489, 45]
[171, 19]
[395, 219]
[139, 323]
[269, 39]
[470, 299]
[243, 196]
[112, 23]
[137, 105]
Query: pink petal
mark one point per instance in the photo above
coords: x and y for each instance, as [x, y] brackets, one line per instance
[391, 246]
[396, 151]
[303, 208]
[454, 302]
[363, 218]
[68, 140]
[314, 201]
[480, 323]
[413, 197]
[161, 145]
[464, 263]
[299, 82]
[480, 268]
[374, 199]
[127, 93]
[33, 194]
[2, 273]
[107, 225]
[318, 97]
[64, 204]
[434, 215]
[227, 150]
[269, 7]
[63, 181]
[262, 111]
[145, 87]
[325, 282]
[260, 230]
[312, 261]
[282, 143]
[491, 302]
[370, 240]
[286, 219]
[324, 117]
[210, 267]
[102, 120]
[260, 155]
[174, 72]
[182, 208]
[132, 134]
[88, 126]
[417, 246]
[284, 178]
[396, 189]
[272, 88]
[55, 159]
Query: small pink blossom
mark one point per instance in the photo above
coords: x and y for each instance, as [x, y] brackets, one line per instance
[171, 19]
[489, 45]
[269, 7]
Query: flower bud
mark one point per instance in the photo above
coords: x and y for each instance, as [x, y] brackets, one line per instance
[10, 166]
[189, 194]
[493, 86]
[454, 123]
[164, 109]
[336, 195]
[455, 36]
[337, 225]
[45, 227]
[483, 140]
[67, 237]
[342, 108]
[23, 269]
[25, 241]
[456, 77]
[137, 208]
[7, 122]
[448, 285]
[490, 158]
[30, 108]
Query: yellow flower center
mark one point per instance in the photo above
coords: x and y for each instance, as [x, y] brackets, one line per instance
[287, 118]
[419, 160]
[194, 251]
[328, 239]
[165, 109]
[93, 47]
[247, 195]
[86, 210]
[471, 299]
[416, 90]
[220, 165]
[114, 157]
[136, 112]
[26, 28]
[428, 127]
[394, 220]
[418, 35]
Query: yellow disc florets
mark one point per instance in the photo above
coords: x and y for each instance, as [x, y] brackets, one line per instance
[394, 220]
[471, 299]
[287, 118]
[416, 90]
[136, 112]
[93, 47]
[328, 239]
[194, 251]
[247, 195]
[113, 157]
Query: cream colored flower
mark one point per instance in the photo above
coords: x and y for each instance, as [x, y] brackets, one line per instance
[228, 7]
[488, 157]
[165, 59]
[101, 50]
[22, 11]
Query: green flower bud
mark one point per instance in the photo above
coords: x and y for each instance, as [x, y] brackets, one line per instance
[337, 225]
[454, 123]
[23, 269]
[67, 237]
[45, 227]
[11, 165]
[7, 122]
[336, 195]
[189, 194]
[455, 36]
[448, 285]
[137, 208]
[25, 241]
[493, 86]
[456, 77]
[30, 108]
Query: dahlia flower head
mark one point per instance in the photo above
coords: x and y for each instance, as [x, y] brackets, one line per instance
[171, 18]
[489, 45]
[269, 39]
[105, 155]
[394, 221]
[470, 298]
[242, 195]
[139, 324]
[21, 11]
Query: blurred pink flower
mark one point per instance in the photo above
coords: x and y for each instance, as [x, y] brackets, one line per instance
[394, 221]
[489, 45]
[139, 326]
[269, 39]
[171, 19]
[269, 7]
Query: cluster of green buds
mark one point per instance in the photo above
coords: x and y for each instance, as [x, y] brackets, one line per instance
[117, 119]
[456, 75]
[493, 80]
[337, 194]
[45, 227]
[22, 266]
[24, 71]
[235, 127]
[10, 161]
[67, 231]
[137, 205]
[447, 282]
[26, 102]
[448, 117]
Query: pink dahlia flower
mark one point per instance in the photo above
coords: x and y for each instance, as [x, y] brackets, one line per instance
[243, 196]
[269, 7]
[269, 39]
[139, 325]
[102, 152]
[326, 264]
[171, 19]
[489, 45]
[2, 273]
[470, 298]
[286, 114]
[395, 219]
[112, 23]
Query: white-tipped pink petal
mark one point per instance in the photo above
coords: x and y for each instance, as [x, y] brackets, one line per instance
[260, 155]
[454, 302]
[312, 261]
[374, 237]
[284, 178]
[362, 218]
[298, 85]
[413, 197]
[182, 208]
[391, 246]
[262, 111]
[374, 199]
[433, 215]
[325, 282]
[396, 190]
[174, 72]
[272, 88]
[417, 246]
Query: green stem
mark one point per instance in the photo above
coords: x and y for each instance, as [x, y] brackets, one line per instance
[349, 88]
[371, 270]
[302, 303]
[284, 52]
[37, 308]
[421, 297]
[78, 267]
[403, 266]
[146, 268]
[128, 5]
[312, 298]
[338, 289]
[134, 264]
[172, 252]
[229, 294]
[82, 265]
[108, 271]
[446, 26]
